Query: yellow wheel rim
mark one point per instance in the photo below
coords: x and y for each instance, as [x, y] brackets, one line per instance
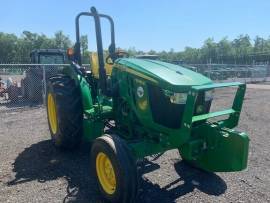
[105, 173]
[52, 113]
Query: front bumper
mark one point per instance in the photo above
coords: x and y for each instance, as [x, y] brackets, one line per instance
[215, 146]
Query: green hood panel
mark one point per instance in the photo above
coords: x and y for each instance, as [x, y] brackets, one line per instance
[165, 72]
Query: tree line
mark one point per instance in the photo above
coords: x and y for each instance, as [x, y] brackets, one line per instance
[14, 49]
[242, 50]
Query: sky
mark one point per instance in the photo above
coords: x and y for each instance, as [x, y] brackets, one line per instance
[143, 24]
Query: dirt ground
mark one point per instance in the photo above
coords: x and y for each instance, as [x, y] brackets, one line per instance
[32, 170]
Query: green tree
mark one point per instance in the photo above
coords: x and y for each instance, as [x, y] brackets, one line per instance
[8, 44]
[224, 51]
[243, 49]
[132, 51]
[61, 41]
[209, 51]
[84, 49]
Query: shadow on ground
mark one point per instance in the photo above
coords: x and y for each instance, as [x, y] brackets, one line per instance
[42, 162]
[188, 180]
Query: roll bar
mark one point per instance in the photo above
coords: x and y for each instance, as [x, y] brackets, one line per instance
[77, 54]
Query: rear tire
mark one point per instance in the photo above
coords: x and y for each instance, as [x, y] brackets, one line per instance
[120, 186]
[64, 112]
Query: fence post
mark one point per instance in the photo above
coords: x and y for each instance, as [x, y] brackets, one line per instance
[44, 92]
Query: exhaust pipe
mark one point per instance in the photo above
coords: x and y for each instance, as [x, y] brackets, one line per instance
[102, 71]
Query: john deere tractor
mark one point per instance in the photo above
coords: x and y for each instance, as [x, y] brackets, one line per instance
[34, 76]
[130, 108]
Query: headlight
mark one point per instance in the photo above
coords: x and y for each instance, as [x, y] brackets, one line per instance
[209, 95]
[179, 98]
[176, 98]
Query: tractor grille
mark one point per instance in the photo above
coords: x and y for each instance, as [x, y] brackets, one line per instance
[168, 114]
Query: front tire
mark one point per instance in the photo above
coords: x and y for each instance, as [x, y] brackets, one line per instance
[64, 112]
[114, 169]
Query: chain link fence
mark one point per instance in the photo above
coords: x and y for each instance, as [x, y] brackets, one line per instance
[24, 86]
[233, 72]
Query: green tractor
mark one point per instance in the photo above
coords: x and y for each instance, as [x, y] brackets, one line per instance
[142, 107]
[32, 84]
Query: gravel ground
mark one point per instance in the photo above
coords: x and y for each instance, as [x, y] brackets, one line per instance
[31, 170]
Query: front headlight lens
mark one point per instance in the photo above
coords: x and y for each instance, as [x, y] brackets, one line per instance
[209, 95]
[179, 98]
[176, 98]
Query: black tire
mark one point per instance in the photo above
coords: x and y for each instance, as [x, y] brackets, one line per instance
[123, 165]
[69, 111]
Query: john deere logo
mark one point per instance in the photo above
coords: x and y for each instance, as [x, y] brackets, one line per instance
[140, 92]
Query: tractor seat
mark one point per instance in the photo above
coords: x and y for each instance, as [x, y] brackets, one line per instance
[94, 66]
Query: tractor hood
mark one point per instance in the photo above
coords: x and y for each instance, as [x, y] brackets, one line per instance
[163, 73]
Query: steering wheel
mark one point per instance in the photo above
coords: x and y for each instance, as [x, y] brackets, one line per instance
[118, 54]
